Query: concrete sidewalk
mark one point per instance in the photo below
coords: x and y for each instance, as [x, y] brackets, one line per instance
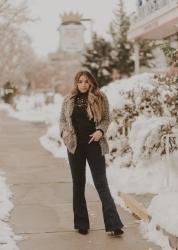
[42, 199]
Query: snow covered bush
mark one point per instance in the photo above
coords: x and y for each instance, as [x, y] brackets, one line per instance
[168, 89]
[144, 110]
[146, 136]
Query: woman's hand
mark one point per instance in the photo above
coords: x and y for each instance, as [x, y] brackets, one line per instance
[96, 136]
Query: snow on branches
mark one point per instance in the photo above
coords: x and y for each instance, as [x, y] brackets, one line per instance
[144, 109]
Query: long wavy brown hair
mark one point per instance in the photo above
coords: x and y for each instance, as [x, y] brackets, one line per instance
[95, 97]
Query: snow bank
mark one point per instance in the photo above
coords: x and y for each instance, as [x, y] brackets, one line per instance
[150, 232]
[52, 143]
[7, 238]
[163, 209]
[33, 108]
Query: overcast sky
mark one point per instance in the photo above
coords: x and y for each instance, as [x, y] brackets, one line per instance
[45, 36]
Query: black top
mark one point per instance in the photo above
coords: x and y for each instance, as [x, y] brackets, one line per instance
[80, 120]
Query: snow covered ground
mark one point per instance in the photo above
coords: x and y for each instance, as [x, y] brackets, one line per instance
[137, 161]
[7, 237]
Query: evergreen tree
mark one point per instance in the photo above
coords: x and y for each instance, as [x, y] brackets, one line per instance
[122, 49]
[98, 60]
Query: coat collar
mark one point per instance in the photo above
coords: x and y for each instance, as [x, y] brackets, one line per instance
[70, 96]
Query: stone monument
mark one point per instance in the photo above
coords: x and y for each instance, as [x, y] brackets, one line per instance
[67, 60]
[71, 33]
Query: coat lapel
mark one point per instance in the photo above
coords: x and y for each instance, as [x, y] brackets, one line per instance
[71, 105]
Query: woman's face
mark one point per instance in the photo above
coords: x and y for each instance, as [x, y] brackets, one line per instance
[83, 84]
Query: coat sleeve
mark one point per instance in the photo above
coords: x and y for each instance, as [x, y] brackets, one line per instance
[106, 119]
[62, 118]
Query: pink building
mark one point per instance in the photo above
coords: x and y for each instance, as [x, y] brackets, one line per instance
[154, 20]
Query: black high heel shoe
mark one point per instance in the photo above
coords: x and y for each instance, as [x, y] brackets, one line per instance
[117, 232]
[83, 231]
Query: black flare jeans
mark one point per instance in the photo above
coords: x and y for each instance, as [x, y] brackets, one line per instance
[96, 161]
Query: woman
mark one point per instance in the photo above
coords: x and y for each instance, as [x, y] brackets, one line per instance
[84, 120]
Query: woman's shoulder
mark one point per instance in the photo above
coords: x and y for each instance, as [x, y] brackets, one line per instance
[67, 97]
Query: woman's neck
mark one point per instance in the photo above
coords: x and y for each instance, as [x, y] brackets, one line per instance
[82, 93]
